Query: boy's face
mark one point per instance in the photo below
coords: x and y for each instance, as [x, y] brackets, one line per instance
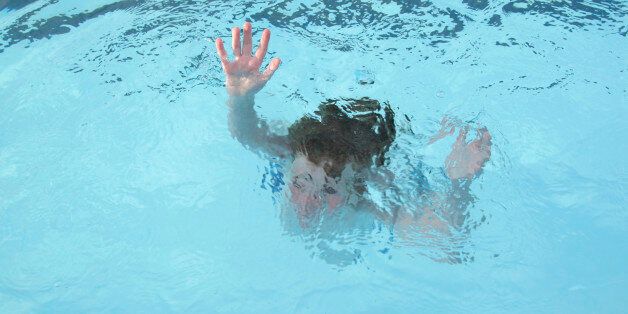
[311, 189]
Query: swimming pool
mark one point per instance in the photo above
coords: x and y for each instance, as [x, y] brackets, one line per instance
[122, 190]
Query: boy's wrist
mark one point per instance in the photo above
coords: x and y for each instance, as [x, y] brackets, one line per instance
[235, 100]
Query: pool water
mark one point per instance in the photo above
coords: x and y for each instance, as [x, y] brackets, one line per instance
[122, 190]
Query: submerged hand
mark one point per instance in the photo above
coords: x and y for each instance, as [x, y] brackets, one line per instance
[243, 77]
[466, 160]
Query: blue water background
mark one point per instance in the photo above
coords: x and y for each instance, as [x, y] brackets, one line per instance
[121, 189]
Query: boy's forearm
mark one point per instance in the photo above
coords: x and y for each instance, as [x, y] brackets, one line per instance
[457, 200]
[241, 101]
[243, 120]
[249, 129]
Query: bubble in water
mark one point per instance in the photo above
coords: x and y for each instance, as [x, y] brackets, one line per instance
[364, 77]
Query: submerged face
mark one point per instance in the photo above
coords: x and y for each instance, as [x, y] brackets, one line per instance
[312, 190]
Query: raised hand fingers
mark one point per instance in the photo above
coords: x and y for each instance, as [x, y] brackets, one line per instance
[263, 45]
[235, 42]
[271, 68]
[247, 45]
[222, 53]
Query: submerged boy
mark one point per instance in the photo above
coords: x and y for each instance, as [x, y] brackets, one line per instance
[334, 154]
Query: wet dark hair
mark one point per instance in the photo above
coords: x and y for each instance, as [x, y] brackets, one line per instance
[343, 131]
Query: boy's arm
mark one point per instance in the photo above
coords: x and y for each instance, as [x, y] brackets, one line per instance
[243, 81]
[464, 163]
[444, 210]
[252, 131]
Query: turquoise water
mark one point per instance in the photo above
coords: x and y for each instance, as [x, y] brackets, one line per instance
[122, 190]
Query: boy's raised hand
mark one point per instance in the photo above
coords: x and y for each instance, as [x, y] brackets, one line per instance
[243, 77]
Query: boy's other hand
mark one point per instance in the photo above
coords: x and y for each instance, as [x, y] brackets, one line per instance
[466, 160]
[243, 77]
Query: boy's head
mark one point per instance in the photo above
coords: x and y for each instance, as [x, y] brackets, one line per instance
[357, 131]
[341, 132]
